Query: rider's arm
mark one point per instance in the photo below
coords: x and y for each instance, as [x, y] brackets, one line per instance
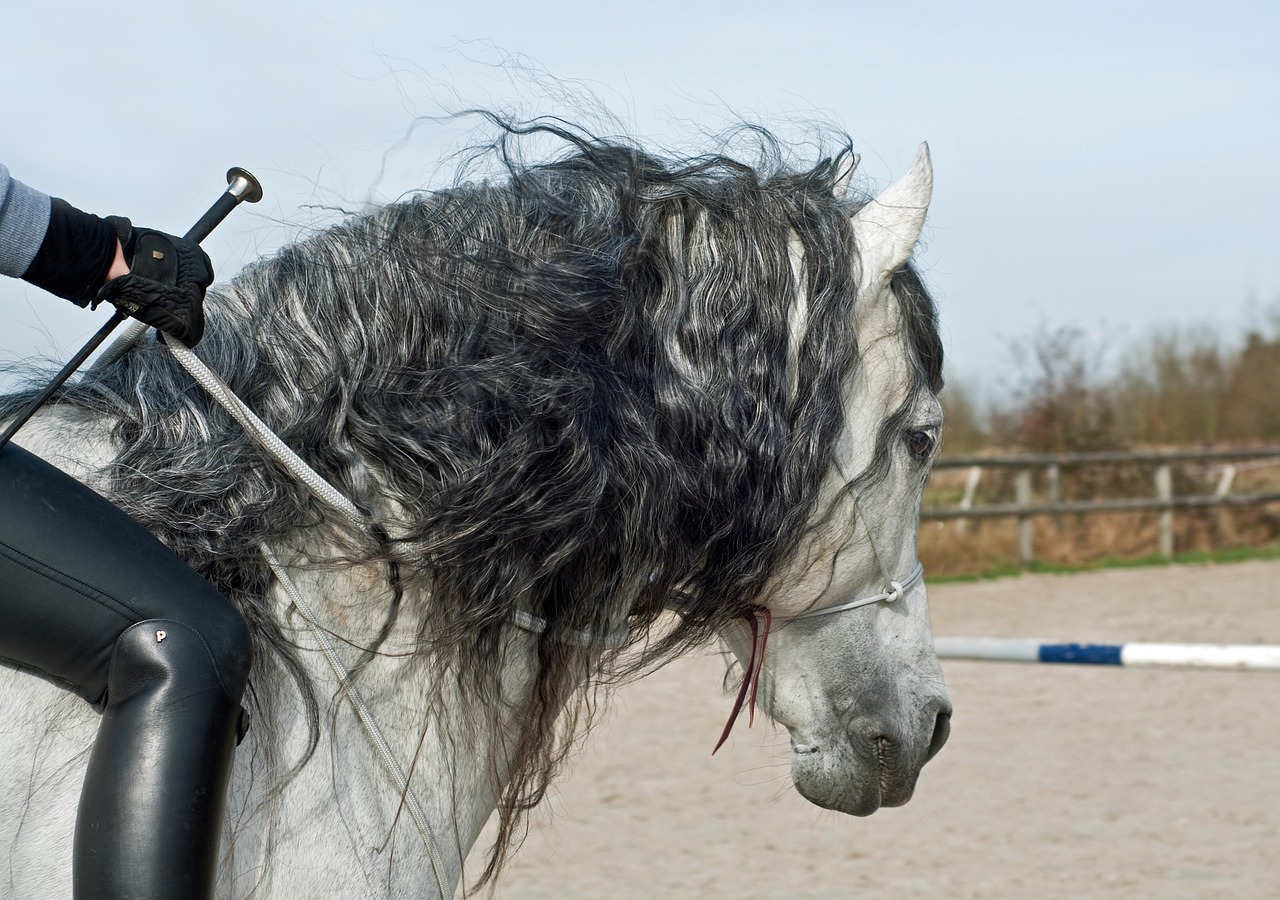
[74, 251]
[150, 275]
[24, 219]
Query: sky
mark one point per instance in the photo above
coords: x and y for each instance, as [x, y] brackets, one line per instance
[1105, 165]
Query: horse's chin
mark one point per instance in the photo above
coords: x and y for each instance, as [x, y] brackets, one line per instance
[858, 774]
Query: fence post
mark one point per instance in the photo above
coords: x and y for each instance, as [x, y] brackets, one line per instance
[1055, 492]
[1224, 483]
[1022, 491]
[1164, 493]
[1226, 521]
[970, 489]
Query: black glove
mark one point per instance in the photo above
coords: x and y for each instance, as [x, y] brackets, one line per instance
[166, 282]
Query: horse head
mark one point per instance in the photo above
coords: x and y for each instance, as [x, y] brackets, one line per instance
[858, 685]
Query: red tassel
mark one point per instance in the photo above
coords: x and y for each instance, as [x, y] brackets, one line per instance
[751, 675]
[755, 680]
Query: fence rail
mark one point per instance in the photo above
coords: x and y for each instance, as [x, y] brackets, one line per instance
[1163, 500]
[1040, 460]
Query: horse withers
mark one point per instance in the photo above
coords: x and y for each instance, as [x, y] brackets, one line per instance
[597, 410]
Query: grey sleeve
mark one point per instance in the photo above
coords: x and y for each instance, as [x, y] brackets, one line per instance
[24, 218]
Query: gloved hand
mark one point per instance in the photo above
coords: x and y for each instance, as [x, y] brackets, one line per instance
[166, 283]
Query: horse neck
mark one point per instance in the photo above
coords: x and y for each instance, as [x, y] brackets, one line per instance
[456, 758]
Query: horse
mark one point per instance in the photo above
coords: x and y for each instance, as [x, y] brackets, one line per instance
[594, 411]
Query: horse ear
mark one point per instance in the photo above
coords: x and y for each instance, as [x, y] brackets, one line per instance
[887, 228]
[845, 167]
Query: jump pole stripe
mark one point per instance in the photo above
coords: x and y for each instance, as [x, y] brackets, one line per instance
[1252, 657]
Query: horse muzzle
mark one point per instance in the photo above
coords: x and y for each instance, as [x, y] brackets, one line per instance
[868, 765]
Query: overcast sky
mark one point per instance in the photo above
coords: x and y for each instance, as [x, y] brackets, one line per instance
[1111, 165]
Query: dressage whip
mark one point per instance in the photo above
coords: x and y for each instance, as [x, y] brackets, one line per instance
[241, 187]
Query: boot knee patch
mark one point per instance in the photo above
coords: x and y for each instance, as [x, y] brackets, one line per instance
[162, 650]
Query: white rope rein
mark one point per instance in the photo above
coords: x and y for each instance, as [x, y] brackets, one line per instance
[257, 429]
[128, 336]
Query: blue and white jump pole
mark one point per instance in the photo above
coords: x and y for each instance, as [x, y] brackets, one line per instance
[1170, 656]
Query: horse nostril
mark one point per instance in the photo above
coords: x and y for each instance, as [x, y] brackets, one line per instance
[941, 730]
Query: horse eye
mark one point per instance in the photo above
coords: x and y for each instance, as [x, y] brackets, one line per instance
[919, 445]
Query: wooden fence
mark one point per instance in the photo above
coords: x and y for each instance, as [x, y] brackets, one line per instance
[1026, 506]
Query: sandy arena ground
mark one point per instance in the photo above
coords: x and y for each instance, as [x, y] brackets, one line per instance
[1058, 781]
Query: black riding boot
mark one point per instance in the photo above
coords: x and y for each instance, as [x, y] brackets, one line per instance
[152, 806]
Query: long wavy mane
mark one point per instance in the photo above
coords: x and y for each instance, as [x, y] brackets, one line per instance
[572, 391]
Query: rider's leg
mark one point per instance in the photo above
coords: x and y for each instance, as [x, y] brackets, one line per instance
[160, 763]
[91, 600]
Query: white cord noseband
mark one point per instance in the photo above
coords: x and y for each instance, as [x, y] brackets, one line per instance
[896, 590]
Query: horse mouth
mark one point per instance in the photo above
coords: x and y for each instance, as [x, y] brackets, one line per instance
[854, 787]
[862, 773]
